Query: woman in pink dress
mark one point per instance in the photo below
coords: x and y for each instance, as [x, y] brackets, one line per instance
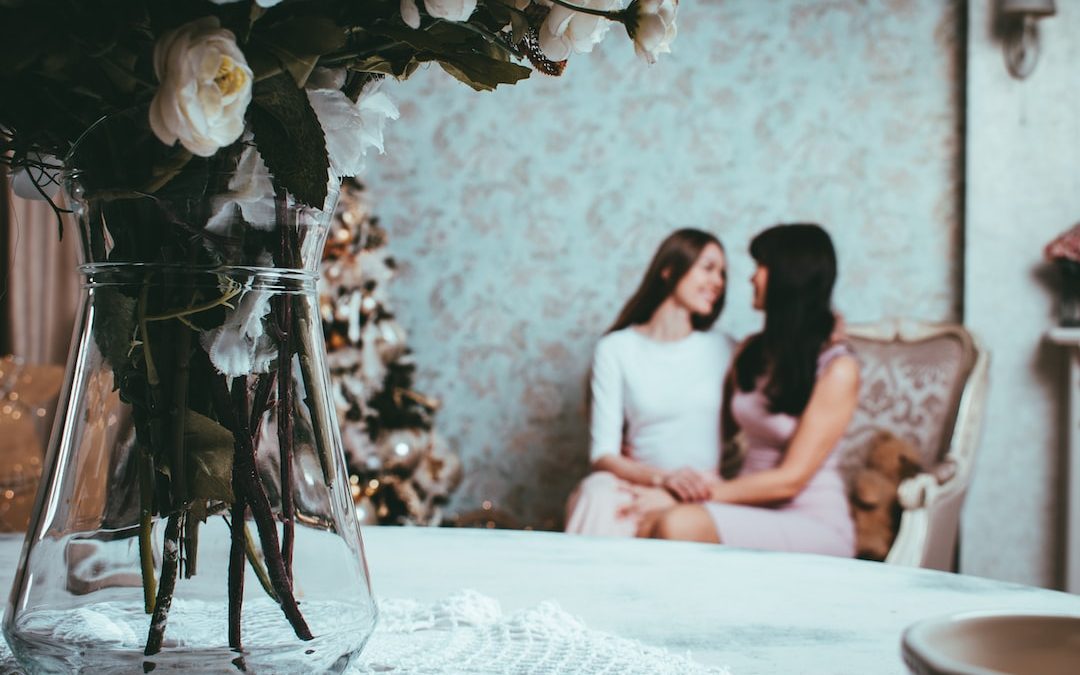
[793, 393]
[655, 391]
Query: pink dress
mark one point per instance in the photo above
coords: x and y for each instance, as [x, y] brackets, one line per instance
[818, 519]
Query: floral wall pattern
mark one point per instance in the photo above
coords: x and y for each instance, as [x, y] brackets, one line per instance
[522, 219]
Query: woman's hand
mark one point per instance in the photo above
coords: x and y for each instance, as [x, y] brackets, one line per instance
[645, 500]
[686, 485]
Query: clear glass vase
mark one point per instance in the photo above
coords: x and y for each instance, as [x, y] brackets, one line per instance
[194, 512]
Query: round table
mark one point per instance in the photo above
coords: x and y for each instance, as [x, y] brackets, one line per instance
[751, 611]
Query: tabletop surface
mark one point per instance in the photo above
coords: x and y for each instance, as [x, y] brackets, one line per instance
[752, 612]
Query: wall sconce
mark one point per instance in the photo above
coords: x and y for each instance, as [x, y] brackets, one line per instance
[1019, 23]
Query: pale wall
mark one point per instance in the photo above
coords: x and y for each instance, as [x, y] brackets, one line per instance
[1023, 188]
[523, 218]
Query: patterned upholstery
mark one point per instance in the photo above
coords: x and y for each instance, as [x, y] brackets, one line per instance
[912, 389]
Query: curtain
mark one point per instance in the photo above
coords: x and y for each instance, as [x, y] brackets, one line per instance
[39, 285]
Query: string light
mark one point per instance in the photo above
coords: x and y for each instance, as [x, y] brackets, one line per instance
[11, 376]
[21, 478]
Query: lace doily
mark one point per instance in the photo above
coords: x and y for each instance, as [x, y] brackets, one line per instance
[469, 633]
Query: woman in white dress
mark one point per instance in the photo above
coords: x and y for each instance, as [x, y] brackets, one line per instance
[655, 392]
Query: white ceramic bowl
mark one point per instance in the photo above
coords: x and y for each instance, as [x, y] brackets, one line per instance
[985, 643]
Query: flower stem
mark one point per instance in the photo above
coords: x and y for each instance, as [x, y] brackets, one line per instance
[286, 435]
[151, 370]
[191, 546]
[252, 490]
[264, 387]
[236, 564]
[285, 432]
[315, 388]
[169, 562]
[610, 16]
[491, 38]
[146, 466]
[146, 524]
[233, 291]
[179, 409]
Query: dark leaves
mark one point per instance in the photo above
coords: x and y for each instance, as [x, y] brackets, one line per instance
[209, 452]
[298, 43]
[290, 139]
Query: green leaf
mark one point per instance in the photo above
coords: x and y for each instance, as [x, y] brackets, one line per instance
[483, 73]
[304, 35]
[299, 67]
[114, 327]
[261, 61]
[298, 42]
[168, 168]
[208, 448]
[504, 12]
[441, 38]
[400, 66]
[290, 139]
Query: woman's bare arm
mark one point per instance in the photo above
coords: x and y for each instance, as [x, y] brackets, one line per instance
[831, 407]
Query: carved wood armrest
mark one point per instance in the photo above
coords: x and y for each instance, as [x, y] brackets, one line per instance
[923, 488]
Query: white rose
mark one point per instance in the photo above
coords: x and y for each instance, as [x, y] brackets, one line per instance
[451, 10]
[351, 129]
[205, 87]
[652, 27]
[565, 30]
[410, 14]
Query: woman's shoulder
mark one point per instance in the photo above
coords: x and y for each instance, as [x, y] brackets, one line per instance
[615, 343]
[616, 337]
[838, 356]
[719, 337]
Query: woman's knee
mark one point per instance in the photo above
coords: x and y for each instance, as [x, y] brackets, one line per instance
[599, 486]
[599, 482]
[686, 522]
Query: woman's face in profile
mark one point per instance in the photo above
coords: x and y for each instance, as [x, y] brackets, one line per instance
[760, 280]
[701, 286]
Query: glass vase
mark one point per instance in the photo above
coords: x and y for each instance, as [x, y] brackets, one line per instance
[194, 512]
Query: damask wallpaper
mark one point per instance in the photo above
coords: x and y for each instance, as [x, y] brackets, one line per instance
[522, 219]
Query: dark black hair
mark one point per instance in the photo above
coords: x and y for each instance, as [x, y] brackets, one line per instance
[670, 263]
[799, 320]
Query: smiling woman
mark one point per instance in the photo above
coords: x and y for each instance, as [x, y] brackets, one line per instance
[794, 388]
[655, 392]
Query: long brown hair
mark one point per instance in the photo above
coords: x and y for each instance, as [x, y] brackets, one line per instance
[798, 314]
[676, 255]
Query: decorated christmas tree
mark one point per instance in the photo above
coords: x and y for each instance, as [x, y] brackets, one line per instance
[402, 471]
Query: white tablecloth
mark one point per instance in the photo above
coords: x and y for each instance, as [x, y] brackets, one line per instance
[752, 612]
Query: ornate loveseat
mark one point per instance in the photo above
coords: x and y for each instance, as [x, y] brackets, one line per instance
[926, 384]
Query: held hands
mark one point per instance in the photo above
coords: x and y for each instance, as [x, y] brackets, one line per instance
[683, 485]
[686, 485]
[645, 500]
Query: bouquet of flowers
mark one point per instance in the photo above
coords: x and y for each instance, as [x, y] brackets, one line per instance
[1065, 248]
[293, 77]
[1064, 252]
[258, 108]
